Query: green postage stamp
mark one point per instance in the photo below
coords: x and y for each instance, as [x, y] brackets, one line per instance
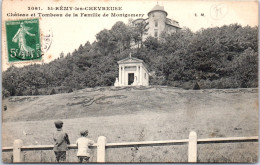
[23, 40]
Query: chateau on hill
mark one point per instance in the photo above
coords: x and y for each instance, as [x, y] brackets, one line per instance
[157, 23]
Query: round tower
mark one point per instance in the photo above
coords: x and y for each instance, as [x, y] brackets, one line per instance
[157, 21]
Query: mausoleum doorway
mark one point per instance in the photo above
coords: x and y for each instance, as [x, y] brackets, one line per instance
[130, 78]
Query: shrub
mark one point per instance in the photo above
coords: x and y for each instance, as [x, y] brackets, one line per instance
[196, 86]
[5, 93]
[70, 90]
[53, 92]
[186, 85]
[213, 84]
[36, 92]
[220, 85]
[20, 93]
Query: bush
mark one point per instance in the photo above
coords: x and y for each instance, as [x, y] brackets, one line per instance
[5, 93]
[186, 85]
[196, 86]
[53, 92]
[220, 85]
[36, 92]
[229, 82]
[204, 84]
[29, 93]
[213, 84]
[12, 91]
[20, 93]
[70, 90]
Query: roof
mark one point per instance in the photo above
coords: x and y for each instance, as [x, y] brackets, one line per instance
[139, 19]
[130, 60]
[173, 26]
[158, 8]
[173, 23]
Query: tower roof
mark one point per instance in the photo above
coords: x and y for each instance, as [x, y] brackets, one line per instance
[158, 8]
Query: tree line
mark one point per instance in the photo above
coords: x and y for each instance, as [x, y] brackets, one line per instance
[219, 57]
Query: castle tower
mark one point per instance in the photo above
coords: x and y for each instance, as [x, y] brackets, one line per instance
[157, 20]
[157, 23]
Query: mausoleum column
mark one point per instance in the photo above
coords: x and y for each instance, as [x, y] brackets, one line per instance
[141, 75]
[123, 76]
[119, 77]
[138, 75]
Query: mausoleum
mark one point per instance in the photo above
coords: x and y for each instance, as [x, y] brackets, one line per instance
[132, 71]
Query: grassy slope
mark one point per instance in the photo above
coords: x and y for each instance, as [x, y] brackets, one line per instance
[137, 114]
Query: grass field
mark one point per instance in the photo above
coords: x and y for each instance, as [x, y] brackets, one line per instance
[138, 114]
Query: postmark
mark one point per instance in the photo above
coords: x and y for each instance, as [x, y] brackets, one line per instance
[47, 36]
[218, 11]
[23, 40]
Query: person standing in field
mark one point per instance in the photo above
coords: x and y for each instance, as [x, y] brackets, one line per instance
[83, 144]
[61, 142]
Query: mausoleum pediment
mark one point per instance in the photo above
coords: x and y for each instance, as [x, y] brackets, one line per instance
[130, 60]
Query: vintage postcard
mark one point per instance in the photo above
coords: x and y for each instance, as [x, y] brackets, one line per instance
[127, 81]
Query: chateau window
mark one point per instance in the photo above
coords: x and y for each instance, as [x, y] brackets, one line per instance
[156, 34]
[156, 23]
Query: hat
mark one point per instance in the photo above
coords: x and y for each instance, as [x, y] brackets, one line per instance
[58, 124]
[84, 132]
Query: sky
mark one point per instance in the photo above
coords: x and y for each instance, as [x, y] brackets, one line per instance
[69, 32]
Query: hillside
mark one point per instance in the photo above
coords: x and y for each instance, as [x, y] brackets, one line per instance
[220, 57]
[107, 101]
[137, 114]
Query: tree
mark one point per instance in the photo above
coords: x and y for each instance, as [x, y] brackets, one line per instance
[151, 43]
[246, 68]
[221, 57]
[61, 55]
[122, 35]
[138, 32]
[106, 43]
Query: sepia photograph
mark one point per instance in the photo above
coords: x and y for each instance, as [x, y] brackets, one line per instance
[127, 81]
